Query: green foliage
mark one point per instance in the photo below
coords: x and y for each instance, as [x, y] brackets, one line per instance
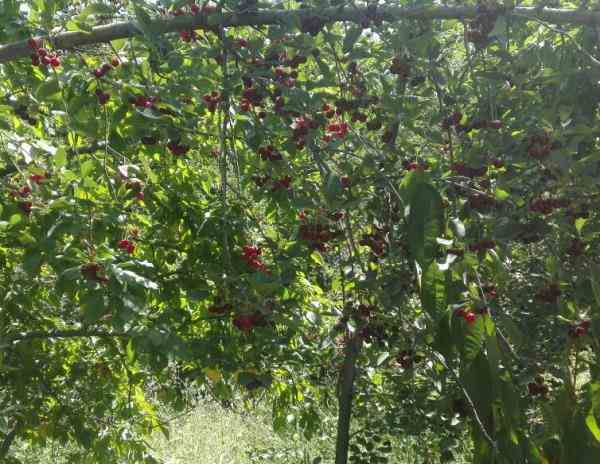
[231, 204]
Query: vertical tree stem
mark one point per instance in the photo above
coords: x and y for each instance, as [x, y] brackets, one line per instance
[345, 397]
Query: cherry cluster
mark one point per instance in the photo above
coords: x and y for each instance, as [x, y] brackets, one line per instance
[480, 124]
[285, 78]
[105, 68]
[269, 153]
[481, 202]
[576, 247]
[579, 329]
[336, 130]
[418, 165]
[250, 254]
[246, 322]
[548, 205]
[220, 308]
[25, 191]
[212, 100]
[127, 245]
[99, 73]
[548, 294]
[177, 148]
[94, 272]
[25, 206]
[311, 25]
[400, 68]
[284, 183]
[42, 56]
[375, 241]
[102, 96]
[136, 186]
[540, 146]
[22, 192]
[458, 252]
[469, 316]
[452, 120]
[188, 36]
[300, 127]
[296, 61]
[479, 29]
[38, 178]
[538, 387]
[318, 232]
[142, 101]
[373, 332]
[463, 170]
[482, 245]
[406, 359]
[372, 16]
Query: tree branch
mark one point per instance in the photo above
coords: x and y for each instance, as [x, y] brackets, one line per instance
[63, 334]
[107, 33]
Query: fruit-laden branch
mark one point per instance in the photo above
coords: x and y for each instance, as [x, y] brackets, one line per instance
[63, 334]
[106, 33]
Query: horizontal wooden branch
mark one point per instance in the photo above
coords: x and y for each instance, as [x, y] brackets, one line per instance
[107, 33]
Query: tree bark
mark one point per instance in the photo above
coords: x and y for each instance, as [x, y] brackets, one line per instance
[345, 398]
[106, 33]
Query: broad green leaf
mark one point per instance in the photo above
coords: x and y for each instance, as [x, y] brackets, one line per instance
[93, 306]
[60, 158]
[129, 277]
[353, 34]
[425, 223]
[433, 293]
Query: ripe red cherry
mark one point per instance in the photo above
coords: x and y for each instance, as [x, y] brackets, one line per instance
[127, 246]
[37, 178]
[34, 44]
[470, 317]
[103, 97]
[244, 322]
[25, 206]
[55, 61]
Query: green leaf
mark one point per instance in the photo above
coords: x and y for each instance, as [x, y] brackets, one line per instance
[433, 293]
[592, 425]
[334, 190]
[353, 34]
[382, 358]
[97, 9]
[596, 285]
[129, 277]
[425, 223]
[47, 89]
[60, 158]
[130, 351]
[92, 306]
[87, 168]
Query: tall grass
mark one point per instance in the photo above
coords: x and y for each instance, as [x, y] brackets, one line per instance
[212, 434]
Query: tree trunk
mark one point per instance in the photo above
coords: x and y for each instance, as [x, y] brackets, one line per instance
[345, 397]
